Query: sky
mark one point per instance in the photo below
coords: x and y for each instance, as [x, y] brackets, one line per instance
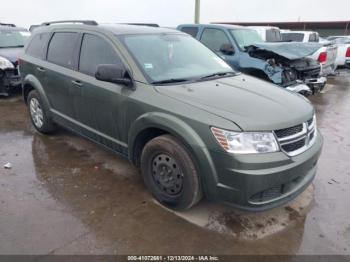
[172, 12]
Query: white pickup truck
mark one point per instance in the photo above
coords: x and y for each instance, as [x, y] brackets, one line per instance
[343, 43]
[326, 55]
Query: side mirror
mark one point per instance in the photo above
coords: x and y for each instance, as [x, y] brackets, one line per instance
[114, 74]
[227, 49]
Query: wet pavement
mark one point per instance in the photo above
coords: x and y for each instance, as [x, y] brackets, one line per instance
[66, 195]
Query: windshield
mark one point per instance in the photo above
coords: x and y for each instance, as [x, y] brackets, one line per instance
[16, 38]
[246, 37]
[173, 57]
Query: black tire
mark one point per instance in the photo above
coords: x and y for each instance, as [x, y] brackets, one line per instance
[167, 153]
[47, 125]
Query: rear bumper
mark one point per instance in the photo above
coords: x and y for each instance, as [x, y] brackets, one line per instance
[347, 63]
[261, 182]
[327, 70]
[9, 79]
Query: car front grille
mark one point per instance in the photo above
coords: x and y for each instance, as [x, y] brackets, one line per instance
[297, 139]
[289, 131]
[275, 192]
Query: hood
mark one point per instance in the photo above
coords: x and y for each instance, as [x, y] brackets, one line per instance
[250, 103]
[289, 50]
[11, 54]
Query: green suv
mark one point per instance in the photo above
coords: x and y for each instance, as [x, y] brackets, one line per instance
[191, 124]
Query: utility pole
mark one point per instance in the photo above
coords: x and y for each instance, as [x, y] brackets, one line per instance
[197, 11]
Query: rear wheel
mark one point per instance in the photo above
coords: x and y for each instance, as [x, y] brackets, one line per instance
[38, 113]
[170, 174]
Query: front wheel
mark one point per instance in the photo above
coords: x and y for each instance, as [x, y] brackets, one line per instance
[170, 174]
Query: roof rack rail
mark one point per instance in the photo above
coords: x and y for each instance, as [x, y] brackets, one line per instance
[85, 22]
[10, 25]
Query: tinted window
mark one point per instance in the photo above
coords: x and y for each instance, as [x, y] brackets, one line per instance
[313, 37]
[96, 51]
[193, 31]
[61, 49]
[36, 47]
[292, 37]
[273, 35]
[214, 39]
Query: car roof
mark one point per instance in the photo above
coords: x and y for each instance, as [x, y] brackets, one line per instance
[117, 29]
[11, 28]
[302, 32]
[215, 26]
[264, 27]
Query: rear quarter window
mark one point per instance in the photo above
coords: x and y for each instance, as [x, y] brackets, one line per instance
[37, 46]
[61, 49]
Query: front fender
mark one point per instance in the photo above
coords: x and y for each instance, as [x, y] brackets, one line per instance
[274, 73]
[31, 80]
[185, 133]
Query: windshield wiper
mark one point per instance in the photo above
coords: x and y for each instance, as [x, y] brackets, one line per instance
[170, 81]
[218, 74]
[13, 46]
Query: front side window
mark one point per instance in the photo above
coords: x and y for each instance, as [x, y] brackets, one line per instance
[214, 38]
[246, 37]
[314, 37]
[173, 56]
[273, 35]
[96, 51]
[13, 38]
[61, 49]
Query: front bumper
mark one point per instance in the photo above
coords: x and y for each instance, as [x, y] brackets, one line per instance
[260, 182]
[316, 84]
[300, 88]
[9, 79]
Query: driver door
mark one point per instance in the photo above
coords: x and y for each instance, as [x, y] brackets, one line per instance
[97, 103]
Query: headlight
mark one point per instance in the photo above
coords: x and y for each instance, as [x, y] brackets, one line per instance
[246, 142]
[4, 63]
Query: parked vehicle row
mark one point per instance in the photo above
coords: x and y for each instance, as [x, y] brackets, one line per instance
[284, 64]
[343, 56]
[12, 41]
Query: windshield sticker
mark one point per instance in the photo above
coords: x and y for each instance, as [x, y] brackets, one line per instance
[221, 62]
[25, 33]
[148, 66]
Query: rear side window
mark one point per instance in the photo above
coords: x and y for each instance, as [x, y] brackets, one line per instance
[96, 51]
[61, 49]
[292, 37]
[192, 31]
[37, 46]
[214, 38]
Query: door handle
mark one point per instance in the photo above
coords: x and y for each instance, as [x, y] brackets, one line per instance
[41, 69]
[77, 83]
